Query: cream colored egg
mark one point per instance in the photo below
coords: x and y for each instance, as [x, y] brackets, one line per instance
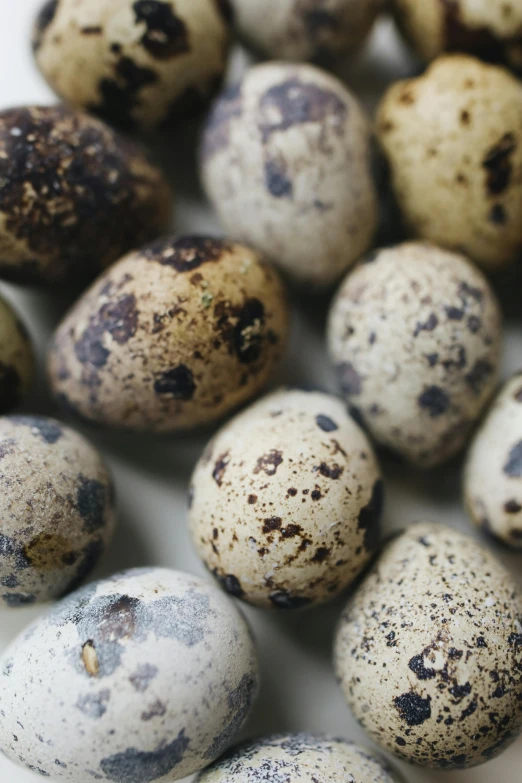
[453, 139]
[429, 650]
[415, 336]
[16, 359]
[286, 501]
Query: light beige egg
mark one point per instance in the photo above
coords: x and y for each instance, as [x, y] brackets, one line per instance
[453, 140]
[173, 336]
[415, 337]
[302, 30]
[491, 29]
[286, 164]
[429, 650]
[137, 63]
[16, 358]
[286, 501]
[493, 473]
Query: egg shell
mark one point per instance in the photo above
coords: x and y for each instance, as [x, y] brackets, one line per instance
[415, 336]
[453, 140]
[285, 162]
[284, 758]
[428, 652]
[493, 472]
[142, 678]
[56, 507]
[303, 30]
[172, 337]
[286, 501]
[75, 195]
[16, 358]
[137, 63]
[491, 29]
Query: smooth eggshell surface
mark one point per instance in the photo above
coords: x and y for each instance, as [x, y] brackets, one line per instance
[16, 358]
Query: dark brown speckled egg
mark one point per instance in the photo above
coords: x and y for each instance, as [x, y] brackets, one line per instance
[74, 196]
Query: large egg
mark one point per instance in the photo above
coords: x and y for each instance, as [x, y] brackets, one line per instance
[144, 677]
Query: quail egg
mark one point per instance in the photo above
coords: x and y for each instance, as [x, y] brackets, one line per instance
[16, 358]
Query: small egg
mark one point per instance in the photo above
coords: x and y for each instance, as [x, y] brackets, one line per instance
[286, 164]
[74, 195]
[304, 30]
[286, 501]
[136, 63]
[429, 650]
[146, 676]
[285, 758]
[453, 140]
[174, 336]
[487, 28]
[16, 358]
[415, 336]
[493, 473]
[56, 507]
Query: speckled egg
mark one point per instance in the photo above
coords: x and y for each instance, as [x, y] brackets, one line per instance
[429, 651]
[285, 503]
[453, 140]
[142, 678]
[491, 29]
[137, 63]
[74, 195]
[286, 164]
[56, 507]
[300, 30]
[16, 358]
[173, 336]
[285, 758]
[493, 474]
[415, 336]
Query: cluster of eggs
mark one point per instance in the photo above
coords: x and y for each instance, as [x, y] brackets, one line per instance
[149, 676]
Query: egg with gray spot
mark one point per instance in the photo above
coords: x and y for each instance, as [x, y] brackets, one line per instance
[16, 358]
[173, 336]
[415, 337]
[145, 677]
[284, 758]
[287, 501]
[428, 652]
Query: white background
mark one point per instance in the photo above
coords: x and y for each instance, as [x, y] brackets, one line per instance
[299, 690]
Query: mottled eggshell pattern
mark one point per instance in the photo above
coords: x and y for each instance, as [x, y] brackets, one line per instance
[453, 139]
[303, 758]
[415, 336]
[16, 358]
[491, 29]
[56, 507]
[137, 63]
[75, 195]
[173, 336]
[285, 503]
[286, 164]
[429, 651]
[301, 30]
[493, 473]
[142, 678]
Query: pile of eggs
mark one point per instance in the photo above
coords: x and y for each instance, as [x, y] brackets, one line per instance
[150, 675]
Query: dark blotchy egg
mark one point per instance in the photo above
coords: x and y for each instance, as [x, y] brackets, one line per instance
[16, 358]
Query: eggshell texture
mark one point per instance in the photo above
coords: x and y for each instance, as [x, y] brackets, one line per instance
[142, 678]
[320, 30]
[286, 163]
[16, 358]
[491, 29]
[429, 651]
[415, 336]
[137, 63]
[56, 507]
[453, 139]
[285, 758]
[286, 501]
[75, 195]
[493, 474]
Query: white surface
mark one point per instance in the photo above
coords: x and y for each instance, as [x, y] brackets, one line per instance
[299, 690]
